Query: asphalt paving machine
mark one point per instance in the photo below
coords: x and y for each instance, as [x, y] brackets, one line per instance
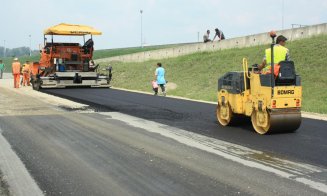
[68, 64]
[273, 103]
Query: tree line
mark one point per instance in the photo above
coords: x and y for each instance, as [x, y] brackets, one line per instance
[16, 52]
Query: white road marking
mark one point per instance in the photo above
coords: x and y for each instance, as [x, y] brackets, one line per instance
[299, 172]
[15, 174]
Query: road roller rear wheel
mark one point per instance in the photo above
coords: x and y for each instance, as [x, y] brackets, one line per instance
[224, 114]
[261, 121]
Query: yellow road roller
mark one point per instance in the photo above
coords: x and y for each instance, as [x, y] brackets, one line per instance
[273, 102]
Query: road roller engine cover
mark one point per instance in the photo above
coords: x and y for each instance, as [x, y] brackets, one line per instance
[272, 102]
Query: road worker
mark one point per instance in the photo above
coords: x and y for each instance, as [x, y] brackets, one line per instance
[2, 68]
[16, 72]
[26, 73]
[281, 53]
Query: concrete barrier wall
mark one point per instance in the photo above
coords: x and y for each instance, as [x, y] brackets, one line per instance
[238, 42]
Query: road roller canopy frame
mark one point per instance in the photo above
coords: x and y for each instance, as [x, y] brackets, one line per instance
[64, 29]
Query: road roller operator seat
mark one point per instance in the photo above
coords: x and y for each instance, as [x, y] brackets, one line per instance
[88, 46]
[286, 75]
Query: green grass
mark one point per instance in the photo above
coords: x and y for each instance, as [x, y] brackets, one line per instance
[196, 74]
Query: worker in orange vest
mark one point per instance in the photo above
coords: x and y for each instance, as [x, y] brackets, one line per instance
[16, 72]
[26, 73]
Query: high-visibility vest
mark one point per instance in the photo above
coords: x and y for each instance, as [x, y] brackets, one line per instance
[16, 67]
[26, 68]
[280, 53]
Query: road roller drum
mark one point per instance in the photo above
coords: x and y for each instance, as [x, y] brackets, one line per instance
[276, 121]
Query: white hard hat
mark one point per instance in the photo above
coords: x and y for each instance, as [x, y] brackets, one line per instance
[16, 59]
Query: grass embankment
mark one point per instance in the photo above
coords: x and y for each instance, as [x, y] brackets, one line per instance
[196, 75]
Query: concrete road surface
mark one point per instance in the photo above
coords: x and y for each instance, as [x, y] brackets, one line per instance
[111, 153]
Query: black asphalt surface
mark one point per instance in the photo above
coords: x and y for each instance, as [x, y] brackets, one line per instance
[308, 144]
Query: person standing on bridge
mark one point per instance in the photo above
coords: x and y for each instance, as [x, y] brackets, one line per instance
[2, 68]
[16, 72]
[159, 76]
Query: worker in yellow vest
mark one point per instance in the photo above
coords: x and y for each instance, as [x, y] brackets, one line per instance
[26, 73]
[16, 72]
[281, 53]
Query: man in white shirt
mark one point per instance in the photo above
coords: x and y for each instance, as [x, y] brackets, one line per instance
[206, 37]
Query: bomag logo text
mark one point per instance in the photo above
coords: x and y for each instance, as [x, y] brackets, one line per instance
[285, 92]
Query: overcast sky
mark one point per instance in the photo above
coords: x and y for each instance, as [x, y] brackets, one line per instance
[164, 21]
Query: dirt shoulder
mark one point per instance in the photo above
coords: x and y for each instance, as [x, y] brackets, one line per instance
[25, 99]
